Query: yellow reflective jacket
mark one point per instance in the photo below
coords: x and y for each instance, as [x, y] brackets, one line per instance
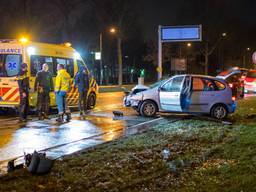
[62, 82]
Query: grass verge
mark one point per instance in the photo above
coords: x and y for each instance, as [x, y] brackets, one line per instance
[189, 155]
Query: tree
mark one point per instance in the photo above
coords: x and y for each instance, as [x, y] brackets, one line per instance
[121, 14]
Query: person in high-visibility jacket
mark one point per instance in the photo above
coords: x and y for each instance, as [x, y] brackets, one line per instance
[62, 86]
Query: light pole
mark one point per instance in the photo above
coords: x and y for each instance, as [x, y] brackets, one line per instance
[245, 56]
[189, 45]
[113, 31]
[101, 71]
[119, 55]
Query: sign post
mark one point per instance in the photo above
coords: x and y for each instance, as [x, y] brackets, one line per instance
[160, 57]
[254, 57]
[176, 34]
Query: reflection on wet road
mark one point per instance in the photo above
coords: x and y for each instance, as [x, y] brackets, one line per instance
[15, 138]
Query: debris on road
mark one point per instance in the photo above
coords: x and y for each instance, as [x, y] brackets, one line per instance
[118, 113]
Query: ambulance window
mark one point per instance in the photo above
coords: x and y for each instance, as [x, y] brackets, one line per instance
[68, 63]
[70, 67]
[61, 61]
[81, 63]
[36, 63]
[12, 65]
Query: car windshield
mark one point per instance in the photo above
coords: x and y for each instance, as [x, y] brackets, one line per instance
[158, 83]
[9, 65]
[251, 74]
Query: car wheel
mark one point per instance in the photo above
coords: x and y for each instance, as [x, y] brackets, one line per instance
[91, 101]
[148, 109]
[219, 111]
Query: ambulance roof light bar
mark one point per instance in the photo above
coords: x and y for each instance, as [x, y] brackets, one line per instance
[8, 41]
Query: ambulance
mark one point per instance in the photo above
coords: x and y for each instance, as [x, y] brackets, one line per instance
[15, 52]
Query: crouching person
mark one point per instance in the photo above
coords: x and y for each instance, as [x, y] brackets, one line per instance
[82, 82]
[62, 86]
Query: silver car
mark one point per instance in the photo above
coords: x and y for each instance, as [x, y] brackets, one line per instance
[186, 94]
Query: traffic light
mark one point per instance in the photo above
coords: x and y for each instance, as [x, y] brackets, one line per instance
[142, 73]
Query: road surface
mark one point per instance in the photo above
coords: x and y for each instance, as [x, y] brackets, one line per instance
[99, 126]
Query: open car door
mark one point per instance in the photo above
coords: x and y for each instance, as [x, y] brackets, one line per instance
[170, 94]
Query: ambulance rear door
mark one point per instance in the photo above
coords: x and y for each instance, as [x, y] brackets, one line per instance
[10, 62]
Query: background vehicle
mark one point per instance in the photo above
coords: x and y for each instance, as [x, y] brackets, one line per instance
[250, 81]
[235, 79]
[188, 94]
[14, 52]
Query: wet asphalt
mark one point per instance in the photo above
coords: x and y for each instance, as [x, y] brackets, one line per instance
[99, 126]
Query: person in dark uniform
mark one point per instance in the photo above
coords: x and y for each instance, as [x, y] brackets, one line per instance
[43, 86]
[23, 82]
[82, 82]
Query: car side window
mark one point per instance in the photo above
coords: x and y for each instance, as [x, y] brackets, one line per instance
[219, 85]
[173, 85]
[198, 84]
[203, 84]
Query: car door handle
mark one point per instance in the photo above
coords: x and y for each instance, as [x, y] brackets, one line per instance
[5, 84]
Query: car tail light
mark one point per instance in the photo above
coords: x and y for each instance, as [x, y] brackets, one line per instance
[233, 98]
[230, 85]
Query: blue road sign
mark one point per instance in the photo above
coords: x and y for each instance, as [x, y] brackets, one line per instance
[181, 33]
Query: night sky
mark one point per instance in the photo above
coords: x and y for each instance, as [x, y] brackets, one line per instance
[232, 14]
[81, 22]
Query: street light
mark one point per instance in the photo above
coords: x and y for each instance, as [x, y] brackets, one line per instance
[224, 34]
[112, 30]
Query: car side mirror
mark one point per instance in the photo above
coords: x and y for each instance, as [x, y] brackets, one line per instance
[161, 89]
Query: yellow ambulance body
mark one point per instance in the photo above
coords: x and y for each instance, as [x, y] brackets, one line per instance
[14, 52]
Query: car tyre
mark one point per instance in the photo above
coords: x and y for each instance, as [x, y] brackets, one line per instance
[219, 112]
[91, 101]
[148, 109]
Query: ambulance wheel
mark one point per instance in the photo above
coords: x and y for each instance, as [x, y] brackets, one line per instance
[91, 101]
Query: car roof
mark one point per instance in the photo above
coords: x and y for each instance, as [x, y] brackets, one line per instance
[202, 76]
[195, 75]
[252, 70]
